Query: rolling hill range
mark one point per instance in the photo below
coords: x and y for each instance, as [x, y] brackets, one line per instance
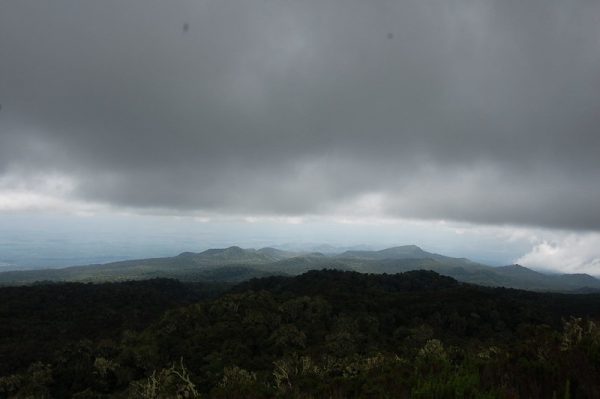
[235, 264]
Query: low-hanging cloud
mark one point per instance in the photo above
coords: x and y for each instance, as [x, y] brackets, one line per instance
[483, 112]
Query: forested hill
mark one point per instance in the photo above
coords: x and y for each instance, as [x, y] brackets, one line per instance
[326, 282]
[329, 333]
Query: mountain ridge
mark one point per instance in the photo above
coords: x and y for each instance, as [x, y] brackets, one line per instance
[233, 264]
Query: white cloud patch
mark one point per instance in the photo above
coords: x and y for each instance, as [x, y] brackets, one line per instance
[571, 253]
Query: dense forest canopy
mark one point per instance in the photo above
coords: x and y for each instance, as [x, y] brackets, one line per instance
[321, 334]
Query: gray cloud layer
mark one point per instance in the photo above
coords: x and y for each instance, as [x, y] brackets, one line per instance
[480, 111]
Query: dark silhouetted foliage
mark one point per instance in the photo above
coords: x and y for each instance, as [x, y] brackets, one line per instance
[327, 333]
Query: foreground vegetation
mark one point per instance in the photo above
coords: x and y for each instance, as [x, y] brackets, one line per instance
[325, 333]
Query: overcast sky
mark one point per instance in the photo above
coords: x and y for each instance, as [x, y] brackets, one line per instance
[481, 115]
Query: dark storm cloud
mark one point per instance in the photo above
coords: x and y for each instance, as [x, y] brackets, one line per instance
[483, 111]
